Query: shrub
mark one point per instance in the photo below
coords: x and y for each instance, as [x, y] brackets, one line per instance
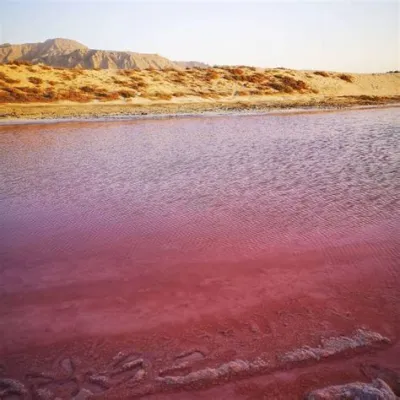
[321, 73]
[136, 85]
[30, 90]
[126, 93]
[236, 71]
[255, 78]
[295, 84]
[65, 76]
[178, 77]
[52, 83]
[288, 84]
[50, 95]
[87, 89]
[124, 72]
[118, 81]
[346, 77]
[73, 95]
[35, 80]
[20, 62]
[162, 96]
[6, 79]
[9, 95]
[211, 75]
[110, 96]
[276, 86]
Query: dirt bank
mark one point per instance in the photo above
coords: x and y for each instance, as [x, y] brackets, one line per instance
[42, 92]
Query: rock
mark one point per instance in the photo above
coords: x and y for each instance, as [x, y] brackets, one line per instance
[335, 345]
[139, 376]
[69, 53]
[254, 328]
[44, 394]
[100, 380]
[190, 356]
[132, 365]
[10, 387]
[83, 394]
[232, 368]
[67, 365]
[378, 390]
[390, 376]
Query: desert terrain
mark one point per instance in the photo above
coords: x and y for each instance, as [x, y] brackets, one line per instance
[45, 92]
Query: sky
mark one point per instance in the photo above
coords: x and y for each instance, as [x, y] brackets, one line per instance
[337, 35]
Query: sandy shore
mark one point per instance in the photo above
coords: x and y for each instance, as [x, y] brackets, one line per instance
[41, 92]
[83, 111]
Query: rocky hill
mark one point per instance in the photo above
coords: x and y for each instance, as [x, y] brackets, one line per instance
[69, 53]
[192, 64]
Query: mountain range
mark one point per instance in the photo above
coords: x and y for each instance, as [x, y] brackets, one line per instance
[70, 53]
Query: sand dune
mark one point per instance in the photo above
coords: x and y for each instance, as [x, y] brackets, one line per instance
[24, 87]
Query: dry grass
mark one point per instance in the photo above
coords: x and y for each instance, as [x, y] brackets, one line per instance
[35, 80]
[126, 93]
[346, 78]
[322, 73]
[51, 84]
[6, 79]
[20, 62]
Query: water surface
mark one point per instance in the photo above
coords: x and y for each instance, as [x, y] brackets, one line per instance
[92, 201]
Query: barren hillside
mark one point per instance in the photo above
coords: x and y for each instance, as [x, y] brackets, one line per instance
[69, 53]
[41, 83]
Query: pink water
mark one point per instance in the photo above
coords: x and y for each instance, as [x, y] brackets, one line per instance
[185, 223]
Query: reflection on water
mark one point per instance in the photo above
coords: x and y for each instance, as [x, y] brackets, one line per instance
[108, 197]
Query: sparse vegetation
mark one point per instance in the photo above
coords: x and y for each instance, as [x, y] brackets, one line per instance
[346, 78]
[4, 78]
[322, 73]
[126, 93]
[18, 84]
[35, 80]
[20, 62]
[162, 96]
[88, 89]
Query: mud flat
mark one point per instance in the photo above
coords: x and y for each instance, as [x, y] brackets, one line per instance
[201, 258]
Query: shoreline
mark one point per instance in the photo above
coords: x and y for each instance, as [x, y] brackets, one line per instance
[31, 113]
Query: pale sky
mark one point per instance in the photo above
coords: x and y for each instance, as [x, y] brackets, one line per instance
[339, 35]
